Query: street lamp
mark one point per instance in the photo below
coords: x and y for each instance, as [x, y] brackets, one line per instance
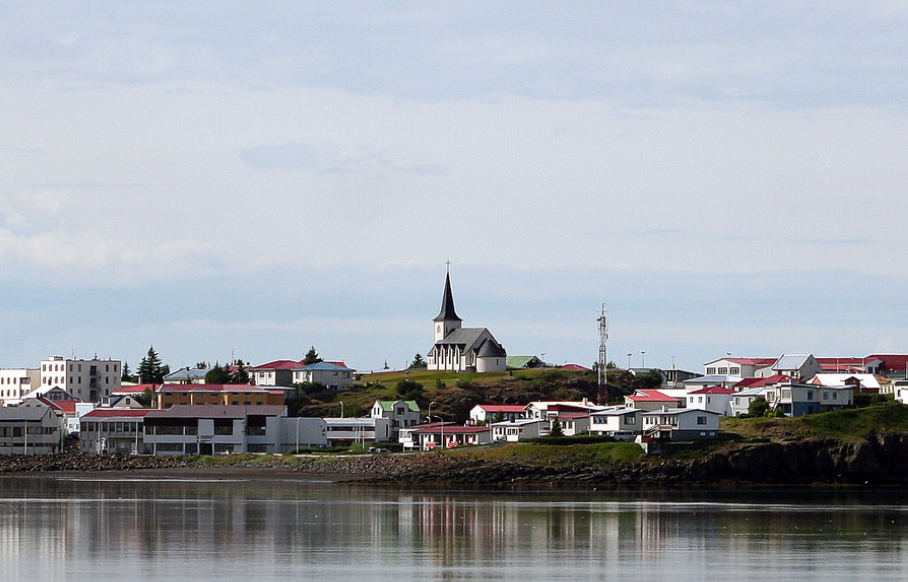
[643, 358]
[298, 419]
[629, 360]
[342, 407]
[430, 411]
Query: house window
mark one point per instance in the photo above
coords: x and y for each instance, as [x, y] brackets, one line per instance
[734, 371]
[710, 371]
[810, 395]
[835, 395]
[630, 419]
[723, 370]
[701, 420]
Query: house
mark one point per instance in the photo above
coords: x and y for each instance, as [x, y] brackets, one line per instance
[29, 430]
[168, 395]
[461, 349]
[15, 383]
[400, 413]
[331, 375]
[545, 409]
[513, 431]
[218, 429]
[681, 424]
[861, 382]
[487, 413]
[572, 423]
[446, 437]
[619, 422]
[725, 381]
[741, 401]
[276, 373]
[646, 399]
[523, 362]
[797, 399]
[409, 440]
[113, 430]
[89, 380]
[713, 398]
[798, 366]
[67, 411]
[343, 432]
[739, 367]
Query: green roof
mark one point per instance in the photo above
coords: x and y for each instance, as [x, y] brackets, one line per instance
[389, 404]
[519, 361]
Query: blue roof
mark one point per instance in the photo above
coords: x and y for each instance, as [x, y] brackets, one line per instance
[323, 366]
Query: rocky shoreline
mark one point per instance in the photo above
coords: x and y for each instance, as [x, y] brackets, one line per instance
[879, 460]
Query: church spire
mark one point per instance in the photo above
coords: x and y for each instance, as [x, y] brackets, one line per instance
[447, 312]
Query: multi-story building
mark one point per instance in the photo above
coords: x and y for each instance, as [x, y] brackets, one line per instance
[15, 383]
[169, 395]
[89, 380]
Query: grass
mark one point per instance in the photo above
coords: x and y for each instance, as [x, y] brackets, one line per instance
[848, 425]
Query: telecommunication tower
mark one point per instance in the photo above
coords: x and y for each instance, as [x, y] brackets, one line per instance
[603, 352]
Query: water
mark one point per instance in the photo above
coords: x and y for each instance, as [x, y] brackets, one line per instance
[242, 527]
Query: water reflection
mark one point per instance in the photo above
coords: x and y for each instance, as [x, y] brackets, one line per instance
[158, 529]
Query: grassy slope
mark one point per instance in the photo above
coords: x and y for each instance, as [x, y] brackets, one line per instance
[846, 425]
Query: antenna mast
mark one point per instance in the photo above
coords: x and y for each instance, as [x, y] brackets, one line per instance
[603, 352]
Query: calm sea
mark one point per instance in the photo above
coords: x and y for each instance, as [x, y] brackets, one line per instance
[239, 527]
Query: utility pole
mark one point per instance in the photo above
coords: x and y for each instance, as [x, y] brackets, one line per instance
[603, 351]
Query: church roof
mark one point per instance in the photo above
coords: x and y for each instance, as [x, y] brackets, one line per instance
[447, 312]
[469, 337]
[491, 349]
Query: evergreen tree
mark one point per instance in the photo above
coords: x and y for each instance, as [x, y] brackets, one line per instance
[241, 376]
[150, 370]
[556, 428]
[418, 362]
[311, 357]
[218, 375]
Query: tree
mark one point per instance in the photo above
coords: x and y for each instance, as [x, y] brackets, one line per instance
[218, 375]
[418, 362]
[408, 389]
[127, 374]
[311, 357]
[556, 428]
[758, 407]
[241, 376]
[150, 370]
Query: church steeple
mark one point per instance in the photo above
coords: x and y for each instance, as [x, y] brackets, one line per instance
[446, 321]
[447, 303]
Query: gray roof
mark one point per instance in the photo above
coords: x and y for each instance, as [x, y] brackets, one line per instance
[23, 413]
[491, 349]
[469, 337]
[791, 362]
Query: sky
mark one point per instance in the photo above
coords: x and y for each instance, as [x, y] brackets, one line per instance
[237, 179]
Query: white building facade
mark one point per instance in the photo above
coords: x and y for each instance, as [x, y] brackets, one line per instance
[88, 380]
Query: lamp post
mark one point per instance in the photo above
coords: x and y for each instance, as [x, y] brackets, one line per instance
[430, 411]
[342, 407]
[643, 358]
[629, 360]
[297, 450]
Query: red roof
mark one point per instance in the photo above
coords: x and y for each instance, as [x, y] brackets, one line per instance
[209, 388]
[117, 412]
[137, 389]
[279, 365]
[761, 382]
[751, 361]
[577, 367]
[713, 390]
[61, 406]
[891, 361]
[651, 396]
[453, 429]
[503, 407]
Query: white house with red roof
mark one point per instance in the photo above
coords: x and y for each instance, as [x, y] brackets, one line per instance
[276, 373]
[447, 437]
[739, 367]
[648, 399]
[713, 398]
[120, 431]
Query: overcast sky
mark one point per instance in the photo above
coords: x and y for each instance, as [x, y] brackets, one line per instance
[250, 179]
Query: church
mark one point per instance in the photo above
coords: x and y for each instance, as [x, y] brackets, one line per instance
[462, 349]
